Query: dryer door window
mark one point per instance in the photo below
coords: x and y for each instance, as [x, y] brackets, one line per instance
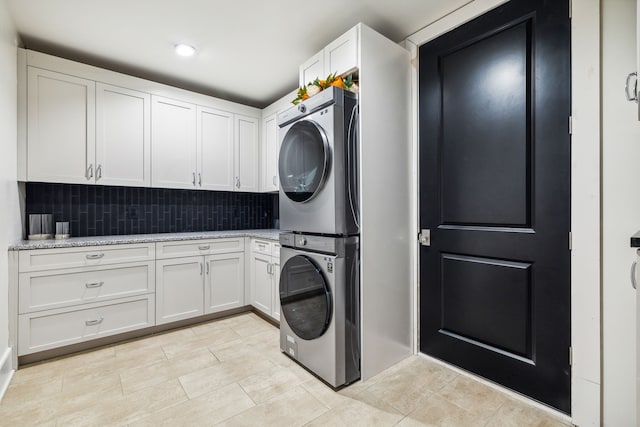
[305, 298]
[304, 161]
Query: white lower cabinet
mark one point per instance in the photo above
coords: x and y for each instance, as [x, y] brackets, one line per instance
[44, 330]
[265, 277]
[189, 286]
[71, 295]
[67, 296]
[179, 284]
[224, 282]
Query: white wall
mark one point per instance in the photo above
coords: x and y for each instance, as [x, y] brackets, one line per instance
[10, 225]
[620, 212]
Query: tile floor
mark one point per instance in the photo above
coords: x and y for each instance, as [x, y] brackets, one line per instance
[231, 372]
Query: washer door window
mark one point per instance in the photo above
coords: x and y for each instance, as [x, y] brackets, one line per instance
[304, 161]
[305, 298]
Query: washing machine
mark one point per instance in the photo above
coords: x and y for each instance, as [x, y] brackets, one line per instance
[320, 300]
[318, 164]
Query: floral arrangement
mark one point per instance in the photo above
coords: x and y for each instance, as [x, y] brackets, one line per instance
[318, 86]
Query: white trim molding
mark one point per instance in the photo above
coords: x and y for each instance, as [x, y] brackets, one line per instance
[6, 370]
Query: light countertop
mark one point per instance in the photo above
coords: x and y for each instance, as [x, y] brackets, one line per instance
[74, 242]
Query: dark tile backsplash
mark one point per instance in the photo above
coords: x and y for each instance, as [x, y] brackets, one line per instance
[102, 211]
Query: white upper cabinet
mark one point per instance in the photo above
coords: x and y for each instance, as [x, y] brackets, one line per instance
[60, 127]
[123, 138]
[312, 69]
[215, 149]
[339, 57]
[247, 175]
[173, 143]
[269, 154]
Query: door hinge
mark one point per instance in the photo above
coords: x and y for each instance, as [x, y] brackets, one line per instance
[570, 241]
[570, 125]
[425, 237]
[570, 356]
[570, 9]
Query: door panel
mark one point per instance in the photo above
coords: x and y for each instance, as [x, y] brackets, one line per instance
[485, 163]
[495, 180]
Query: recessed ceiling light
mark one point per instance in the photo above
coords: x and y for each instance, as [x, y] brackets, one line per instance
[185, 50]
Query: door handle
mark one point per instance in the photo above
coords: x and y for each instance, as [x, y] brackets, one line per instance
[274, 180]
[94, 322]
[207, 268]
[634, 95]
[634, 282]
[94, 256]
[201, 269]
[237, 182]
[194, 179]
[89, 173]
[99, 172]
[199, 179]
[269, 268]
[93, 285]
[204, 247]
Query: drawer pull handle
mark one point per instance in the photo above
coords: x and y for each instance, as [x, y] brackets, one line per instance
[93, 322]
[94, 256]
[94, 285]
[204, 247]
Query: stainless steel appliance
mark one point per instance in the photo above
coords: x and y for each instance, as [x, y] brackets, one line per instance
[318, 164]
[320, 300]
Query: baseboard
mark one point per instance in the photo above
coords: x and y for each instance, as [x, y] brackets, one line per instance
[6, 371]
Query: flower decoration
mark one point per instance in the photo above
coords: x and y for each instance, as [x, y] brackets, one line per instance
[317, 86]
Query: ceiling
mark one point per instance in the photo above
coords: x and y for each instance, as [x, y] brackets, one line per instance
[247, 50]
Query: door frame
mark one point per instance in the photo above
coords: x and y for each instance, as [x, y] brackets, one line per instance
[585, 193]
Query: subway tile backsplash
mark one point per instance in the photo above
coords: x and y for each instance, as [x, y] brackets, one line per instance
[94, 210]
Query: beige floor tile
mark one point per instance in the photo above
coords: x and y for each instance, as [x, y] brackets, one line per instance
[19, 394]
[473, 396]
[355, 413]
[324, 394]
[206, 410]
[139, 377]
[213, 337]
[127, 409]
[403, 390]
[252, 326]
[437, 411]
[518, 414]
[269, 384]
[96, 383]
[219, 375]
[294, 408]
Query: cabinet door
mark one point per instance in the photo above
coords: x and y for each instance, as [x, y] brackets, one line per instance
[341, 55]
[269, 154]
[215, 149]
[276, 288]
[312, 69]
[173, 143]
[247, 174]
[60, 127]
[179, 288]
[224, 282]
[261, 282]
[123, 139]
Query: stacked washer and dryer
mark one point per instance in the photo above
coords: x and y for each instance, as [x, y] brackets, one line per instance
[319, 218]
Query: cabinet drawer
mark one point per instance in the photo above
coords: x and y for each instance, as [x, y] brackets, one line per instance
[199, 247]
[55, 328]
[46, 290]
[49, 259]
[261, 246]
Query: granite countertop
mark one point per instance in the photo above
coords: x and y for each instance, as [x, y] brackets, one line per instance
[635, 240]
[74, 242]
